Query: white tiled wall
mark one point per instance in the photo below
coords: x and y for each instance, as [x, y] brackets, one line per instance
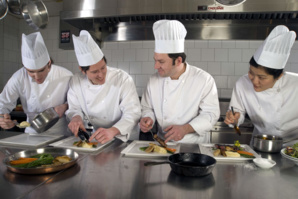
[225, 60]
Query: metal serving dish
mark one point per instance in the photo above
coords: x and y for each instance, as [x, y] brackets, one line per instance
[267, 143]
[53, 151]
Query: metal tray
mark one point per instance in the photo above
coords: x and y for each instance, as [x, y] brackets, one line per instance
[53, 151]
[30, 140]
[133, 149]
[207, 149]
[68, 143]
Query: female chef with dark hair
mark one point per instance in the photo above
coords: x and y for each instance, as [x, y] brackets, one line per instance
[267, 93]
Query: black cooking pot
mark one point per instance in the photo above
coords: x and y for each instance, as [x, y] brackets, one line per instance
[189, 164]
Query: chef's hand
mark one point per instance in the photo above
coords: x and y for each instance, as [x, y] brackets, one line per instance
[6, 122]
[60, 109]
[232, 119]
[177, 132]
[146, 124]
[75, 124]
[103, 135]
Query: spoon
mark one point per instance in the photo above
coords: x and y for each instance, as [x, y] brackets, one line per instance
[21, 125]
[236, 127]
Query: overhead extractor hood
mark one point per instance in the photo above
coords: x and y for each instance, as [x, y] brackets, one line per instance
[121, 20]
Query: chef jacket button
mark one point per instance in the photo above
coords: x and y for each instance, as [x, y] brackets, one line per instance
[48, 96]
[104, 117]
[278, 90]
[164, 100]
[165, 118]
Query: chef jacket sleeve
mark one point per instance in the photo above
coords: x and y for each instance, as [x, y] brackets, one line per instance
[130, 108]
[208, 110]
[237, 102]
[10, 94]
[73, 96]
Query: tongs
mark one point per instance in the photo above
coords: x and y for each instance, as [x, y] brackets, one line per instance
[157, 139]
[236, 127]
[83, 135]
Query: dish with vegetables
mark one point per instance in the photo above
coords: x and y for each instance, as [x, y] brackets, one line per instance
[154, 148]
[292, 151]
[229, 152]
[41, 160]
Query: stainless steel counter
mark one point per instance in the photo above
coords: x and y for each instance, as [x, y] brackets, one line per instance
[108, 174]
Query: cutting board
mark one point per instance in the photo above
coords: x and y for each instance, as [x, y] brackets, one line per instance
[30, 140]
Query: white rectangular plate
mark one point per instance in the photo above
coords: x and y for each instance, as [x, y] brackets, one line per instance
[30, 140]
[68, 143]
[133, 149]
[207, 149]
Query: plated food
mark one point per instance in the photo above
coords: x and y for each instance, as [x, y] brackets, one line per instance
[229, 152]
[154, 148]
[292, 151]
[137, 149]
[85, 144]
[235, 151]
[39, 160]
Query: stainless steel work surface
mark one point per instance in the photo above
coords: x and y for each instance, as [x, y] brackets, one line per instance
[108, 174]
[30, 140]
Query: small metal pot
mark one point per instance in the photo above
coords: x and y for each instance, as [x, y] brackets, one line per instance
[267, 143]
[45, 120]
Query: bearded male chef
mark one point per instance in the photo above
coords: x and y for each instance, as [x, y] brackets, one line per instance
[180, 97]
[106, 96]
[267, 93]
[39, 84]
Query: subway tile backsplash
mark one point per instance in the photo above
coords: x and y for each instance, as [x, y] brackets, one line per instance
[225, 60]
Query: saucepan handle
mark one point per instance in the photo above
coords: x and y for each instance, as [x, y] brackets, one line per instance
[155, 163]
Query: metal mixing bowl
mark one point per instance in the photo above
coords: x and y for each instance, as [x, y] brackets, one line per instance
[267, 143]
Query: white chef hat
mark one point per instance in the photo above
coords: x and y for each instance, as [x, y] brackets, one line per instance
[87, 51]
[34, 51]
[275, 50]
[169, 36]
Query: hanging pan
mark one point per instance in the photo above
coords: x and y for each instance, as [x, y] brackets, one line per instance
[3, 8]
[35, 14]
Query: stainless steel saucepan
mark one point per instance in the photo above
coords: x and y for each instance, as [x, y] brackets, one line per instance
[45, 120]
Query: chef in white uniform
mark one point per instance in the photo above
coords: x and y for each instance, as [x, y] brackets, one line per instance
[39, 84]
[180, 97]
[267, 93]
[106, 96]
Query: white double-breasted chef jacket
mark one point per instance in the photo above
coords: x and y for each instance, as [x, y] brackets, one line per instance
[34, 97]
[113, 104]
[191, 99]
[273, 111]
